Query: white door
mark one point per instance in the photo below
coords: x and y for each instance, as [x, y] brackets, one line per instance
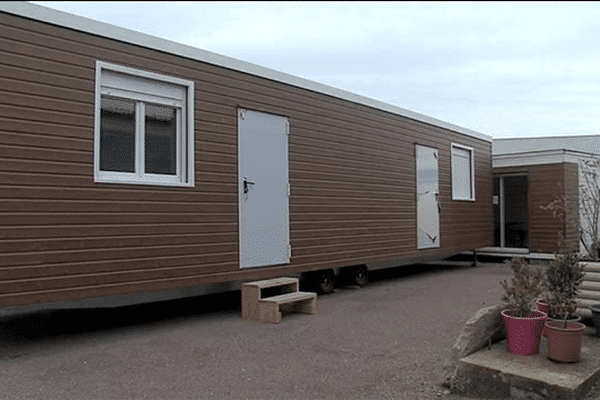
[428, 210]
[263, 189]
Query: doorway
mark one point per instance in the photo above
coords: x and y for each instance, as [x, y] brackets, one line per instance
[511, 211]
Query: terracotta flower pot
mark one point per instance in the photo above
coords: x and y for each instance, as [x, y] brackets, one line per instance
[564, 344]
[543, 306]
[523, 335]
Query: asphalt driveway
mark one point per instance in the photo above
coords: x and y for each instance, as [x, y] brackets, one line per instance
[388, 340]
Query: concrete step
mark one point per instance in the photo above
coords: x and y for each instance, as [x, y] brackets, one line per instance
[497, 374]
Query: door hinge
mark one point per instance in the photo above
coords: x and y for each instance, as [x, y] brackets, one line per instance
[289, 251]
[289, 190]
[287, 127]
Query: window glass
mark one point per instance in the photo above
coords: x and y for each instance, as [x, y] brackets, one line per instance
[161, 140]
[143, 127]
[462, 179]
[117, 135]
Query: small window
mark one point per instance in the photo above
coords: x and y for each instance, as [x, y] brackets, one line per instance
[463, 173]
[144, 131]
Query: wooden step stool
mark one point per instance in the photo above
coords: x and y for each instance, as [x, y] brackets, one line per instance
[263, 300]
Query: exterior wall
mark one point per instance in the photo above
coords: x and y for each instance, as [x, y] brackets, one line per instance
[64, 237]
[547, 183]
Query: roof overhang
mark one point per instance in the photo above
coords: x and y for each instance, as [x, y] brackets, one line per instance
[540, 158]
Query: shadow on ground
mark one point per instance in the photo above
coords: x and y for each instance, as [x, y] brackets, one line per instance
[42, 331]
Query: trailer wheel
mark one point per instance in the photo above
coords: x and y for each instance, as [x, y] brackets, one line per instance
[324, 281]
[359, 276]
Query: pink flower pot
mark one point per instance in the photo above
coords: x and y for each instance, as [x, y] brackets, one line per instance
[523, 335]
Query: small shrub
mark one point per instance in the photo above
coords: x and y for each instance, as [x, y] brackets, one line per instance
[564, 275]
[525, 286]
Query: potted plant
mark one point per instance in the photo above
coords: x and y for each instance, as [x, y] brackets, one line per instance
[564, 332]
[523, 325]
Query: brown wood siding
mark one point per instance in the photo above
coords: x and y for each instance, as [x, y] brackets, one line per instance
[546, 183]
[63, 237]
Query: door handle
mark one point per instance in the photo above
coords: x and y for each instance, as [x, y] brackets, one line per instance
[246, 183]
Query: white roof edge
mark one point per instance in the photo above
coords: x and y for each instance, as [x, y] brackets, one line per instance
[545, 152]
[539, 158]
[67, 20]
[548, 137]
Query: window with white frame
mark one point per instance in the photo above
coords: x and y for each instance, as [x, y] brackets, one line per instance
[144, 129]
[463, 173]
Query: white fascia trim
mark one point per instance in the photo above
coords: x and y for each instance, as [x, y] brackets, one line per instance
[87, 25]
[538, 158]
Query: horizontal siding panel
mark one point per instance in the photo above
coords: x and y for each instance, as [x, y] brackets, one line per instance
[348, 249]
[116, 242]
[315, 201]
[75, 206]
[62, 83]
[65, 231]
[356, 257]
[306, 160]
[40, 52]
[341, 207]
[334, 217]
[61, 69]
[10, 260]
[316, 233]
[22, 126]
[47, 93]
[355, 223]
[43, 115]
[115, 192]
[98, 290]
[114, 218]
[31, 153]
[72, 181]
[356, 185]
[308, 171]
[310, 241]
[128, 275]
[46, 167]
[324, 191]
[46, 141]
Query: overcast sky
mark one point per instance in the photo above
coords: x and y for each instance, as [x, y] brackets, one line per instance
[503, 69]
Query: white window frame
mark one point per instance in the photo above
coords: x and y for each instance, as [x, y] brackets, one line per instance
[456, 196]
[147, 87]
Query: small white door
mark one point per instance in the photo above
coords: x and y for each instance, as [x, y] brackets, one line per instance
[428, 210]
[263, 189]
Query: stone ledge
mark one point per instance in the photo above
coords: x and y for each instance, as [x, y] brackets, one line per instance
[497, 374]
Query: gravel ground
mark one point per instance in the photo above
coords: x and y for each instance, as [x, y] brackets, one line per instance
[388, 340]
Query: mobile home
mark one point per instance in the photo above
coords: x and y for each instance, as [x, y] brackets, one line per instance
[135, 169]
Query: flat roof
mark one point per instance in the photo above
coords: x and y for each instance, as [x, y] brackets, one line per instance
[98, 28]
[540, 157]
[576, 143]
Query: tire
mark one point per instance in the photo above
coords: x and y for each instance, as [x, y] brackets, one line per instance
[359, 276]
[324, 282]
